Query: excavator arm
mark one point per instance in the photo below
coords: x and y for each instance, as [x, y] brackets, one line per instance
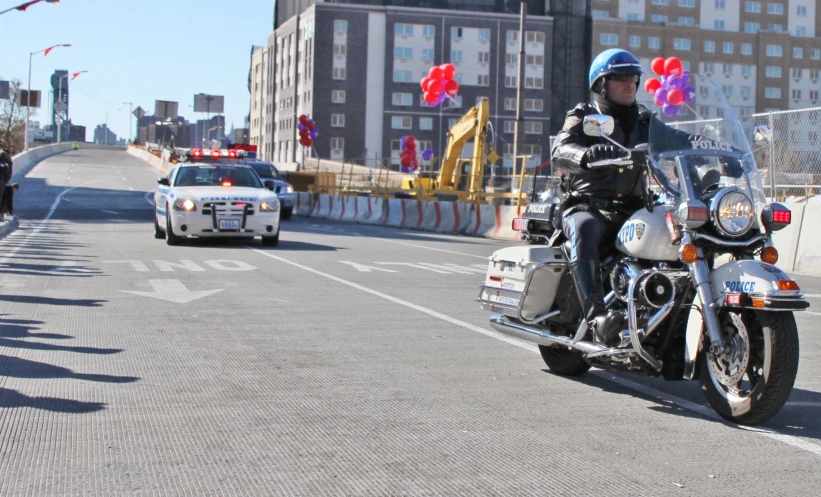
[472, 125]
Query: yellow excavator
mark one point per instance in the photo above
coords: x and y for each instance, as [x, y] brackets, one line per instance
[461, 176]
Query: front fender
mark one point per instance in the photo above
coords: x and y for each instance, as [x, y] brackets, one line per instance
[754, 285]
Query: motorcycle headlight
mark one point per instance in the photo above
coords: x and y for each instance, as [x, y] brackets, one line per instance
[185, 204]
[733, 212]
[269, 206]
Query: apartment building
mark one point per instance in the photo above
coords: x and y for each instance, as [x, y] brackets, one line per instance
[355, 70]
[765, 55]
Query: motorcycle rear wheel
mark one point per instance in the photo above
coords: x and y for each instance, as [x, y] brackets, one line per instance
[564, 361]
[750, 383]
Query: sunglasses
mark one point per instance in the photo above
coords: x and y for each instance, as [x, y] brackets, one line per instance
[624, 78]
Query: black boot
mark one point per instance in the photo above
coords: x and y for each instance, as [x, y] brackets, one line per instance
[588, 280]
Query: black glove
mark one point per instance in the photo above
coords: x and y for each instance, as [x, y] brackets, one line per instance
[602, 151]
[731, 167]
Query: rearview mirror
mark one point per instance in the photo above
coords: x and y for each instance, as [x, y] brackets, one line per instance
[598, 125]
[762, 135]
[164, 182]
[269, 185]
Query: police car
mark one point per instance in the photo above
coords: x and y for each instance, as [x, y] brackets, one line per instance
[212, 193]
[283, 189]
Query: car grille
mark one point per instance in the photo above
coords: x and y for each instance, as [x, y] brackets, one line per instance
[227, 210]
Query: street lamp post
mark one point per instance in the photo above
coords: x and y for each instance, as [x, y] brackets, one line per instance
[23, 6]
[131, 110]
[28, 103]
[60, 96]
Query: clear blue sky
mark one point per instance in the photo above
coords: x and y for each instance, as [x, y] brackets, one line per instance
[138, 51]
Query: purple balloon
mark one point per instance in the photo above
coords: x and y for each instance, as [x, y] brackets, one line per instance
[442, 97]
[661, 94]
[301, 126]
[427, 154]
[689, 94]
[675, 82]
[685, 79]
[402, 143]
[313, 133]
[670, 110]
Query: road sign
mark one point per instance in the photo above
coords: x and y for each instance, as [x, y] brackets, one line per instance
[29, 99]
[4, 90]
[60, 106]
[166, 110]
[139, 113]
[492, 156]
[215, 104]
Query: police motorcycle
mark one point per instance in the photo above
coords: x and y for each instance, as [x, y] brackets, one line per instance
[693, 274]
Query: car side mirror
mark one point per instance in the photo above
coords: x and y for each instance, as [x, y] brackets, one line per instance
[164, 182]
[763, 135]
[598, 125]
[269, 185]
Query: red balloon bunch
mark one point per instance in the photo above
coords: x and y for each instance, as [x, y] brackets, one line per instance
[673, 89]
[307, 131]
[439, 84]
[407, 158]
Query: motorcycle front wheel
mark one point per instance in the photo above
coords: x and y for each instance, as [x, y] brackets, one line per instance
[752, 379]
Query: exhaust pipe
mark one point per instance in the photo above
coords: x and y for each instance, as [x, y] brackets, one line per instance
[500, 323]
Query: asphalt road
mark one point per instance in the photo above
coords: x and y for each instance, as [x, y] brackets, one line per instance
[349, 360]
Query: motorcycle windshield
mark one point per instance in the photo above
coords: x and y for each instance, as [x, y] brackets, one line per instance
[715, 147]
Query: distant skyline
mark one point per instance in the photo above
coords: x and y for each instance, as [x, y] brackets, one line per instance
[136, 52]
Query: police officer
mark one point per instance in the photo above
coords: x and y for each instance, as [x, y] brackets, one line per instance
[6, 169]
[600, 199]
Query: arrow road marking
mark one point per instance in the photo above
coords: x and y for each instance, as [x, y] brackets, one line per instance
[173, 291]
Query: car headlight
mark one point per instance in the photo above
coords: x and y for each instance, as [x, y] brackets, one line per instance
[269, 206]
[185, 204]
[733, 212]
[289, 189]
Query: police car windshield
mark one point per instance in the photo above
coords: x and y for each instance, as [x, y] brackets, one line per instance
[216, 175]
[265, 171]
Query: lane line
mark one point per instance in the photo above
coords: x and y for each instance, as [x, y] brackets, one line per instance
[686, 404]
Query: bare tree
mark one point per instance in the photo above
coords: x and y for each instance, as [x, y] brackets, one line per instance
[13, 118]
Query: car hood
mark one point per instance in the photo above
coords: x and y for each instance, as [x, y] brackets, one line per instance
[225, 194]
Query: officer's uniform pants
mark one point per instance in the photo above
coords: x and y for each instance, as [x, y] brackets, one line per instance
[589, 231]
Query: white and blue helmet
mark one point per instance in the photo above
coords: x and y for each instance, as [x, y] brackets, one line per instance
[613, 61]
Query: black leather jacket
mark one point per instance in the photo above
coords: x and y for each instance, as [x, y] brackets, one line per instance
[608, 183]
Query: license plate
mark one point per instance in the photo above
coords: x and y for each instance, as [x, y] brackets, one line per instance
[229, 224]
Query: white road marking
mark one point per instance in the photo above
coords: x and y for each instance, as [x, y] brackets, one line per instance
[813, 313]
[813, 295]
[111, 212]
[367, 269]
[173, 291]
[73, 267]
[772, 434]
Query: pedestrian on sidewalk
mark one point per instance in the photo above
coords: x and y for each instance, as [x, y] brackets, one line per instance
[6, 165]
[7, 203]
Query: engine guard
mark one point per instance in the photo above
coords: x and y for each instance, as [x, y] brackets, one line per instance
[745, 284]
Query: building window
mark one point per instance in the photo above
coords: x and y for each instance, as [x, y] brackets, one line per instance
[340, 26]
[426, 123]
[752, 27]
[775, 27]
[801, 11]
[484, 57]
[512, 58]
[728, 47]
[683, 44]
[773, 71]
[456, 56]
[403, 99]
[816, 54]
[691, 4]
[660, 2]
[338, 120]
[512, 36]
[534, 60]
[709, 46]
[510, 104]
[534, 83]
[337, 143]
[796, 94]
[772, 92]
[709, 67]
[687, 20]
[510, 126]
[403, 29]
[658, 18]
[534, 37]
[746, 70]
[402, 53]
[455, 32]
[746, 49]
[338, 73]
[721, 4]
[400, 76]
[338, 96]
[532, 150]
[427, 54]
[752, 7]
[428, 30]
[718, 25]
[814, 75]
[813, 95]
[727, 69]
[609, 39]
[483, 80]
[654, 42]
[776, 9]
[601, 14]
[635, 41]
[632, 16]
[533, 127]
[797, 53]
[510, 81]
[484, 34]
[401, 122]
[746, 91]
[775, 50]
[801, 31]
[727, 90]
[340, 49]
[534, 105]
